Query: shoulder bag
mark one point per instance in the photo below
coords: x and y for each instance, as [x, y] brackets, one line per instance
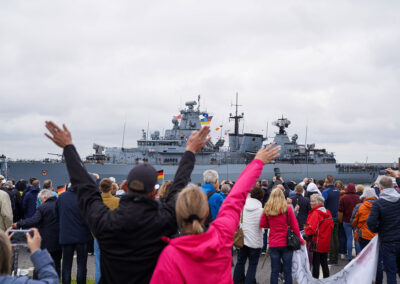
[292, 240]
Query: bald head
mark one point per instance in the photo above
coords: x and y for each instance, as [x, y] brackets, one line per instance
[280, 187]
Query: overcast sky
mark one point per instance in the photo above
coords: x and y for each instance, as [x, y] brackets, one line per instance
[331, 65]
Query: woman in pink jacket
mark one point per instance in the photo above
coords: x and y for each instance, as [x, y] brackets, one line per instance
[276, 212]
[206, 257]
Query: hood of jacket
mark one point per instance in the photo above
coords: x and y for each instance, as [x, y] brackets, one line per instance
[36, 189]
[207, 187]
[321, 210]
[368, 202]
[350, 189]
[389, 194]
[252, 204]
[312, 187]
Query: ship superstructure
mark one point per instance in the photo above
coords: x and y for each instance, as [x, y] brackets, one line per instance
[164, 152]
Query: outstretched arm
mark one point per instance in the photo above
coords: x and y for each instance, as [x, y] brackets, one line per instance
[89, 198]
[195, 143]
[228, 217]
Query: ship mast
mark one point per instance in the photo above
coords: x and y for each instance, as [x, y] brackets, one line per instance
[236, 117]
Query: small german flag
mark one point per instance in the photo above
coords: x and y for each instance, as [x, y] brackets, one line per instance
[60, 190]
[160, 174]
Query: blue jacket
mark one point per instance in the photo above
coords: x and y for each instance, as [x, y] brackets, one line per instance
[73, 228]
[29, 202]
[332, 196]
[384, 217]
[46, 221]
[215, 201]
[43, 265]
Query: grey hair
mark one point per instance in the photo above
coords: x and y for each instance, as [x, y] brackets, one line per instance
[210, 176]
[386, 182]
[225, 188]
[45, 193]
[317, 198]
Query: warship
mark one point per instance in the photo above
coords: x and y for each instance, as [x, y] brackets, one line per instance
[164, 152]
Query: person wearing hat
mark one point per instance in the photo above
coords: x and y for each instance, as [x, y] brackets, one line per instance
[132, 236]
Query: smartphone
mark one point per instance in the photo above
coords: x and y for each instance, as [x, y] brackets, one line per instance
[383, 172]
[19, 237]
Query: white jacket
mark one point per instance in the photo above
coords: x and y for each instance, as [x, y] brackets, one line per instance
[253, 234]
[6, 215]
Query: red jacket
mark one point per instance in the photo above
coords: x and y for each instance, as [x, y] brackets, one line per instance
[320, 225]
[347, 203]
[278, 228]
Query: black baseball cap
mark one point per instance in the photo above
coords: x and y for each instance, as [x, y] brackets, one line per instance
[142, 178]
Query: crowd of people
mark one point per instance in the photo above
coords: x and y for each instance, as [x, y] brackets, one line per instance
[183, 233]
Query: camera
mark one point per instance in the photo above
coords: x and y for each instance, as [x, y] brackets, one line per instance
[277, 173]
[19, 237]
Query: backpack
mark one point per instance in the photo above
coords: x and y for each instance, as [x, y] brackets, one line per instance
[209, 217]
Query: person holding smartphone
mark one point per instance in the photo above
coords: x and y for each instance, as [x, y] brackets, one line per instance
[41, 260]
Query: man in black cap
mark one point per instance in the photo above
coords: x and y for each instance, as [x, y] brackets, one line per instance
[130, 237]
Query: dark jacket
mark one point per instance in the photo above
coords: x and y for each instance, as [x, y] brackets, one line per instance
[332, 196]
[305, 207]
[348, 201]
[267, 193]
[73, 228]
[130, 237]
[46, 221]
[271, 185]
[18, 205]
[398, 181]
[29, 202]
[384, 217]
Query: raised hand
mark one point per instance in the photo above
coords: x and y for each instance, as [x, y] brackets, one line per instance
[392, 173]
[198, 139]
[267, 154]
[60, 137]
[35, 241]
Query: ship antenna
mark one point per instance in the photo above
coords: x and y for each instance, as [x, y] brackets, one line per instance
[147, 133]
[198, 103]
[236, 117]
[307, 152]
[123, 134]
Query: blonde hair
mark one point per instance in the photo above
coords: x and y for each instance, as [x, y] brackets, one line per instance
[276, 203]
[5, 252]
[192, 207]
[164, 189]
[360, 188]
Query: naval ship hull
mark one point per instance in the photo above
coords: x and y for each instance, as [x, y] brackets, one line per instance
[57, 172]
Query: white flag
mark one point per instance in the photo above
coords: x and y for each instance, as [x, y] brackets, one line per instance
[361, 269]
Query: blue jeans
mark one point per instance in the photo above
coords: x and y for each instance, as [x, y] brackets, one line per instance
[390, 251]
[97, 274]
[253, 254]
[277, 255]
[349, 235]
[265, 240]
[81, 261]
[342, 239]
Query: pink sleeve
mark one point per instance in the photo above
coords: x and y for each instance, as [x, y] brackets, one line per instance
[228, 217]
[264, 221]
[293, 224]
[164, 271]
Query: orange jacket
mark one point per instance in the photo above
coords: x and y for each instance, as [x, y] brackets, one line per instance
[360, 220]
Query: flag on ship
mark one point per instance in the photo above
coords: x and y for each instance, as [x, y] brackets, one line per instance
[160, 174]
[178, 116]
[206, 120]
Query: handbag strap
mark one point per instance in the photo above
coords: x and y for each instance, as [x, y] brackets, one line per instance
[287, 220]
[241, 217]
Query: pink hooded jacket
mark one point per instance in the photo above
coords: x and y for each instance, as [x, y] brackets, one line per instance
[207, 257]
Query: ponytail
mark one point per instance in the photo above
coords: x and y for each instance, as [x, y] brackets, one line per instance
[192, 208]
[197, 228]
